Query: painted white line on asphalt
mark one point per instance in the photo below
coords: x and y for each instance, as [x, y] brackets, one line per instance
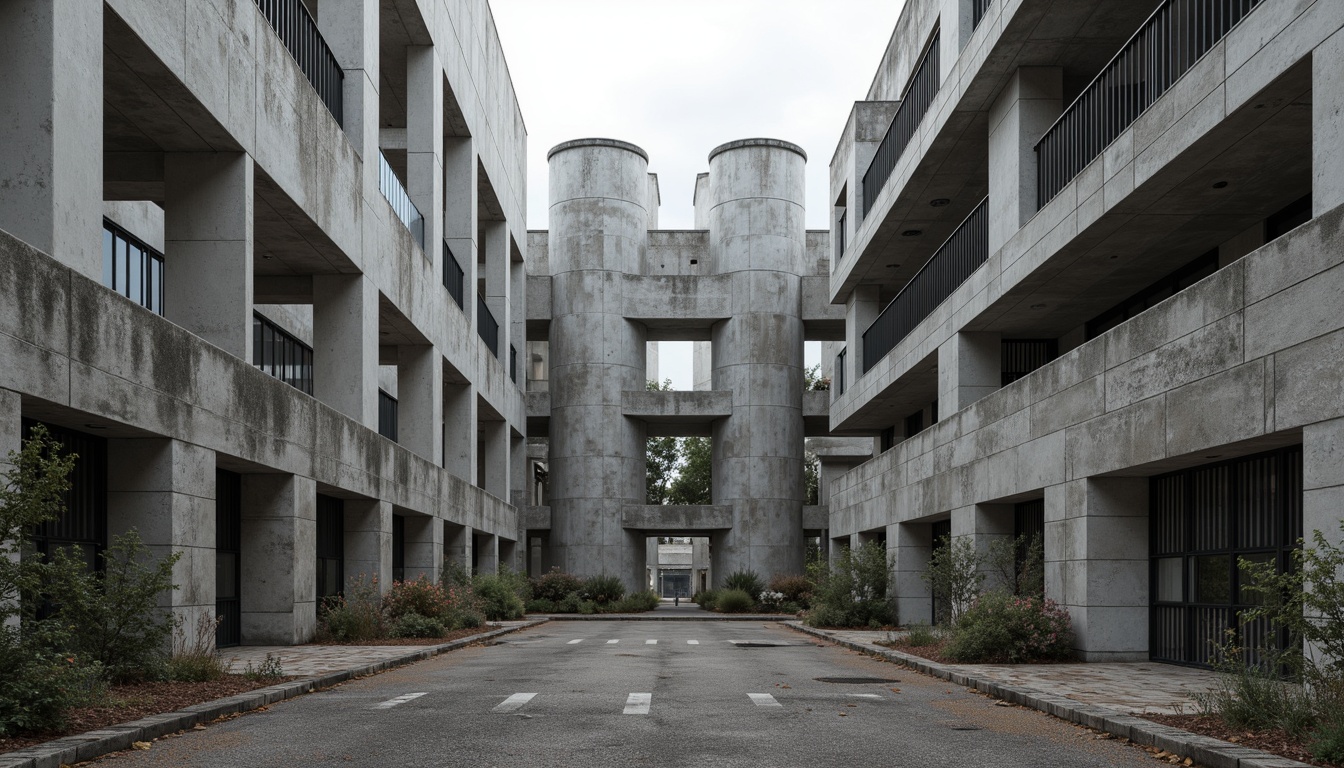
[734, 642]
[574, 642]
[516, 701]
[764, 700]
[612, 642]
[692, 642]
[402, 699]
[650, 642]
[638, 703]
[865, 696]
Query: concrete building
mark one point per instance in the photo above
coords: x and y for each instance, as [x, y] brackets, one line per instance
[1090, 256]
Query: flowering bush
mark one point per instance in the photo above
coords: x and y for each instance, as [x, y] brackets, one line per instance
[999, 627]
[796, 589]
[555, 586]
[421, 597]
[771, 601]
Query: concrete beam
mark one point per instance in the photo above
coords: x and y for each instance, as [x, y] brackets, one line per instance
[677, 518]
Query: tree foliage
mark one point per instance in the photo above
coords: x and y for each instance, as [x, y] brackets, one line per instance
[662, 456]
[694, 484]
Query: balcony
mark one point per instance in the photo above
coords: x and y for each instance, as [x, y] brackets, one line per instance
[487, 326]
[1167, 45]
[949, 267]
[391, 187]
[453, 277]
[298, 32]
[915, 101]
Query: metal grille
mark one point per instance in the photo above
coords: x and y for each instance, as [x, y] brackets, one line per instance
[228, 557]
[395, 194]
[387, 416]
[949, 267]
[330, 546]
[1166, 46]
[281, 355]
[978, 10]
[83, 524]
[840, 373]
[453, 277]
[298, 31]
[486, 326]
[132, 268]
[915, 101]
[1022, 356]
[1203, 522]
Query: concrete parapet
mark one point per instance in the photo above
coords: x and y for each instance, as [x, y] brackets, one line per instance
[669, 519]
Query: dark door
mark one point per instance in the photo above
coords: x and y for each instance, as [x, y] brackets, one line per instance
[228, 557]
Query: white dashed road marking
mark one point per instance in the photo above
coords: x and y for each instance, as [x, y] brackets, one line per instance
[516, 701]
[650, 642]
[574, 642]
[865, 696]
[402, 699]
[692, 642]
[612, 642]
[638, 703]
[764, 700]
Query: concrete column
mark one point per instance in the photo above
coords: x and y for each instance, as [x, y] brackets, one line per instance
[757, 231]
[520, 470]
[861, 309]
[368, 541]
[458, 543]
[424, 547]
[345, 345]
[51, 172]
[700, 199]
[459, 214]
[517, 328]
[955, 23]
[984, 525]
[970, 366]
[208, 240]
[350, 28]
[1096, 563]
[165, 490]
[279, 595]
[460, 426]
[1029, 104]
[702, 365]
[598, 193]
[495, 458]
[1323, 482]
[1327, 125]
[424, 144]
[910, 545]
[499, 282]
[420, 401]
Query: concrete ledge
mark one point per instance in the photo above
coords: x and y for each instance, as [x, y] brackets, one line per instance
[654, 617]
[689, 407]
[1203, 750]
[535, 518]
[91, 744]
[677, 517]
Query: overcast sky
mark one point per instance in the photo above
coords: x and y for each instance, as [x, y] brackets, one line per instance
[680, 77]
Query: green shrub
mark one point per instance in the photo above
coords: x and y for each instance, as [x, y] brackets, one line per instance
[569, 603]
[747, 581]
[268, 670]
[356, 616]
[791, 608]
[115, 614]
[955, 577]
[499, 595]
[638, 602]
[920, 634]
[421, 597]
[41, 684]
[587, 607]
[734, 601]
[1327, 741]
[795, 588]
[1000, 627]
[194, 659]
[852, 593]
[707, 599]
[540, 605]
[465, 618]
[415, 625]
[603, 589]
[555, 586]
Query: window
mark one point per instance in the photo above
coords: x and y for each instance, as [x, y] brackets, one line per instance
[1154, 294]
[132, 268]
[840, 234]
[398, 548]
[83, 524]
[330, 547]
[387, 416]
[281, 355]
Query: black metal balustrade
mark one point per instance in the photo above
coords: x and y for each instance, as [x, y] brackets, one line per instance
[840, 373]
[513, 364]
[919, 93]
[1166, 46]
[453, 277]
[978, 10]
[486, 326]
[949, 267]
[298, 31]
[395, 194]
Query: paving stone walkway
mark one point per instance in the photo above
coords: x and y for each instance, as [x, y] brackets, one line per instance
[1135, 687]
[305, 660]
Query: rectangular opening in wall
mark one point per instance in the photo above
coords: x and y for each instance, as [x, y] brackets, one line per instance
[132, 268]
[941, 536]
[1022, 356]
[82, 526]
[228, 558]
[387, 416]
[398, 548]
[278, 353]
[330, 547]
[1154, 294]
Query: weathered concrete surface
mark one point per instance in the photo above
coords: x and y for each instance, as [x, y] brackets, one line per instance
[670, 519]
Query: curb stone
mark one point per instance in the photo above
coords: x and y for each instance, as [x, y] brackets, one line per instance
[1203, 750]
[86, 746]
[780, 618]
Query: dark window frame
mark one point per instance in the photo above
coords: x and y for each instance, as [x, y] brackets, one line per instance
[281, 355]
[387, 416]
[127, 259]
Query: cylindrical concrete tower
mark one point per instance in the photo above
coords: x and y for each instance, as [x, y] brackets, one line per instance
[757, 235]
[599, 189]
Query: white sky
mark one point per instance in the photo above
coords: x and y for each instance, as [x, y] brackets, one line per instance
[680, 77]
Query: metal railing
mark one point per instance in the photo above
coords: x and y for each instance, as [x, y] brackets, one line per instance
[486, 326]
[396, 196]
[840, 373]
[297, 30]
[513, 364]
[453, 277]
[949, 267]
[978, 10]
[919, 93]
[1166, 46]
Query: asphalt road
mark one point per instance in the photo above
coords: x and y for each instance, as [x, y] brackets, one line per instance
[634, 693]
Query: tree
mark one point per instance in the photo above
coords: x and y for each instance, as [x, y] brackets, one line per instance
[695, 483]
[811, 483]
[661, 457]
[813, 381]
